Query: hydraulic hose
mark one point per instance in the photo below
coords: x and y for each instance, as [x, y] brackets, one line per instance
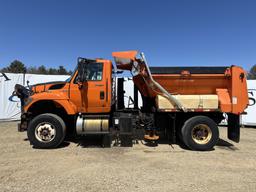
[166, 94]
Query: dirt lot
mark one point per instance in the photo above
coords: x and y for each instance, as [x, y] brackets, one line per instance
[77, 166]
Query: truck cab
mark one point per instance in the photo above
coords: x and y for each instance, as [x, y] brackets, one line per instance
[73, 95]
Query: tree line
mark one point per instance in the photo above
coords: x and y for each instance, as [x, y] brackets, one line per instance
[18, 67]
[252, 72]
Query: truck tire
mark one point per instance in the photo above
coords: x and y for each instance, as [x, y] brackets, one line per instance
[200, 133]
[46, 131]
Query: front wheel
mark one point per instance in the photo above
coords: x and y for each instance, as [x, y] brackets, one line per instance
[200, 133]
[46, 131]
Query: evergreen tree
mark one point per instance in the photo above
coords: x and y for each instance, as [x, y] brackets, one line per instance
[62, 70]
[16, 67]
[42, 70]
[252, 72]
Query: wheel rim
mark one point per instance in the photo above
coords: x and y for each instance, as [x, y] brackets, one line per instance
[201, 134]
[45, 132]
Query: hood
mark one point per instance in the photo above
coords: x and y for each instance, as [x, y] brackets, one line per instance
[41, 87]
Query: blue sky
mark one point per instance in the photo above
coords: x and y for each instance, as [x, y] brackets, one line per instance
[170, 32]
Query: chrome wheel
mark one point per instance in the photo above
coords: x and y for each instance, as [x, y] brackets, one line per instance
[201, 134]
[45, 132]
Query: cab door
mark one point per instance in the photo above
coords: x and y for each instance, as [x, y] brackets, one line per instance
[91, 97]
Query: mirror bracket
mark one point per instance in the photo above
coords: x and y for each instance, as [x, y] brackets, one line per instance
[80, 85]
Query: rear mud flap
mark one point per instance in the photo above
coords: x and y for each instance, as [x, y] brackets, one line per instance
[234, 127]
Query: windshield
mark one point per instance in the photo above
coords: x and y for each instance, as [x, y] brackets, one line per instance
[73, 73]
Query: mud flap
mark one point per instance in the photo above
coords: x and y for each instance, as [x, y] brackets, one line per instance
[22, 126]
[234, 127]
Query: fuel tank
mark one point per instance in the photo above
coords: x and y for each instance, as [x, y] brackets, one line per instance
[91, 125]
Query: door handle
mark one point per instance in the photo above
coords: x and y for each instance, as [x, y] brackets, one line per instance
[99, 85]
[102, 95]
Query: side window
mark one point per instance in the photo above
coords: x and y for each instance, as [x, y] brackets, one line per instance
[94, 72]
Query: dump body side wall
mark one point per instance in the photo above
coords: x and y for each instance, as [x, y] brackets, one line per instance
[230, 87]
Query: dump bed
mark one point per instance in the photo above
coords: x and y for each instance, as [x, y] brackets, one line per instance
[209, 88]
[222, 89]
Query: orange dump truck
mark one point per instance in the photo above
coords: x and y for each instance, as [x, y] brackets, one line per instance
[184, 103]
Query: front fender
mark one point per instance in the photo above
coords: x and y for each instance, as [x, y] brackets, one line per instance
[69, 107]
[58, 98]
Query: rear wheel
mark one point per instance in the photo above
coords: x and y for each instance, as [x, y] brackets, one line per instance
[200, 133]
[46, 131]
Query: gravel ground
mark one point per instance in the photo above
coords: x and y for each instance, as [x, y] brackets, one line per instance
[79, 166]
